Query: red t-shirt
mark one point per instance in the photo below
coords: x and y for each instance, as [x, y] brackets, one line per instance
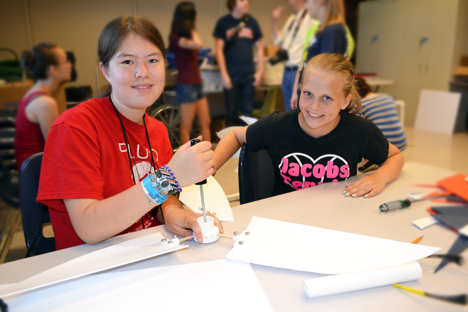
[85, 157]
[29, 139]
[186, 62]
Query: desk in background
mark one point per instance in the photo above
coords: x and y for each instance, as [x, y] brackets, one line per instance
[321, 206]
[377, 82]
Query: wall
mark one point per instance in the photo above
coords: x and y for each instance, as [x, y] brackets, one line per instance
[461, 45]
[76, 25]
[401, 55]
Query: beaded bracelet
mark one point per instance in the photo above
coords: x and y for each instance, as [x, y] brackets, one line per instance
[179, 189]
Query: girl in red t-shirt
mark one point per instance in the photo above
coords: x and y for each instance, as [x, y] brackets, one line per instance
[108, 167]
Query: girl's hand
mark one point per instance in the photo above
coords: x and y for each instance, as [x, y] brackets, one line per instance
[293, 101]
[367, 186]
[257, 79]
[179, 220]
[373, 184]
[226, 81]
[192, 164]
[278, 13]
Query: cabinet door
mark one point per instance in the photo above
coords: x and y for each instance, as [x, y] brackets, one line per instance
[426, 50]
[378, 31]
[437, 57]
[411, 53]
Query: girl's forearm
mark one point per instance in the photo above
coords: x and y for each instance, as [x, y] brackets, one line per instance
[228, 146]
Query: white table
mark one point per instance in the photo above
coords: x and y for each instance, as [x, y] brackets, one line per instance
[377, 82]
[321, 206]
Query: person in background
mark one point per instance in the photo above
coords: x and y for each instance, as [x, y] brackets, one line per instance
[48, 66]
[290, 39]
[108, 167]
[381, 109]
[236, 34]
[330, 36]
[184, 42]
[324, 140]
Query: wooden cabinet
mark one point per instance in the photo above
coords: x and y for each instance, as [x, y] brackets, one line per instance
[412, 42]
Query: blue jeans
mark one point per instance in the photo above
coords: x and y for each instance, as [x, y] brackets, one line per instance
[242, 90]
[189, 93]
[287, 86]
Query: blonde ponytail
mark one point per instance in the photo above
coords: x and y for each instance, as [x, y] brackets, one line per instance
[355, 104]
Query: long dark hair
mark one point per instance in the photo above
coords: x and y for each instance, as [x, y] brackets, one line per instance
[184, 20]
[116, 31]
[37, 61]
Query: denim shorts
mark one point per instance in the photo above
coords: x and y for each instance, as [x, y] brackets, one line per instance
[189, 93]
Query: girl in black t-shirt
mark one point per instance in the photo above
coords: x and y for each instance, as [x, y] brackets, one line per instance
[324, 140]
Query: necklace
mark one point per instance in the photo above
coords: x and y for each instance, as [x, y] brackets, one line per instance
[129, 151]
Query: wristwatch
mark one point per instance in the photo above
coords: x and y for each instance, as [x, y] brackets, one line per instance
[163, 185]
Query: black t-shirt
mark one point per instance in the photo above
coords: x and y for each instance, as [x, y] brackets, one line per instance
[238, 52]
[301, 161]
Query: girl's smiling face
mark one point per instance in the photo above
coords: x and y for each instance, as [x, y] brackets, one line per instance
[321, 101]
[137, 75]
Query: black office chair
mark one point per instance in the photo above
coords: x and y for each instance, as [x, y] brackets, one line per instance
[9, 194]
[7, 149]
[34, 214]
[256, 177]
[8, 184]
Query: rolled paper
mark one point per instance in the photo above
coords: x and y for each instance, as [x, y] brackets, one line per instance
[342, 283]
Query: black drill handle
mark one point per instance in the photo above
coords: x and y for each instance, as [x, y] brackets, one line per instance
[192, 143]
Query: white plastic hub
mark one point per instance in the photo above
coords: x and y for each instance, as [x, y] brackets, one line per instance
[209, 230]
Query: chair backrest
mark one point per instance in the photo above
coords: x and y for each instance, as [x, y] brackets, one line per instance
[7, 139]
[9, 185]
[256, 176]
[34, 214]
[270, 103]
[400, 105]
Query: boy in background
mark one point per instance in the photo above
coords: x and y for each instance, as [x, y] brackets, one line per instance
[236, 34]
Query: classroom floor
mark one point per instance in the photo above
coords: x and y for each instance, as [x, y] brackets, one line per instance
[438, 150]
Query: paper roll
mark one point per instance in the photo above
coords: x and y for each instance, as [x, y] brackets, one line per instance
[341, 283]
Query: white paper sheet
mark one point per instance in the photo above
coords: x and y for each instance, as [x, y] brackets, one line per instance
[215, 199]
[248, 120]
[311, 249]
[424, 222]
[111, 257]
[433, 117]
[225, 131]
[220, 285]
[416, 196]
[341, 283]
[5, 286]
